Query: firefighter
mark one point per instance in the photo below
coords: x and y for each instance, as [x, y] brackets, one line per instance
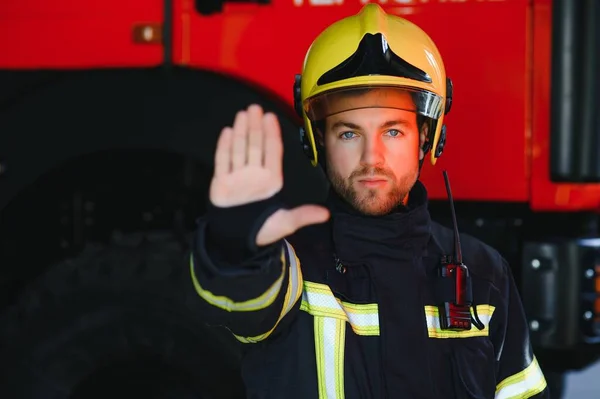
[363, 296]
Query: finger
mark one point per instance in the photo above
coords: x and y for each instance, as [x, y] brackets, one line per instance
[255, 135]
[286, 222]
[223, 153]
[273, 144]
[305, 215]
[239, 138]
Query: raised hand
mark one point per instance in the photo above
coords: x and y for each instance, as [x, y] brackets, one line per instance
[248, 168]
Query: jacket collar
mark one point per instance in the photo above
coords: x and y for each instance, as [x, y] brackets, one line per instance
[399, 235]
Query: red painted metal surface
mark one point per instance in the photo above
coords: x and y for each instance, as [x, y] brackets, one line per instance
[76, 34]
[486, 58]
[545, 195]
[496, 51]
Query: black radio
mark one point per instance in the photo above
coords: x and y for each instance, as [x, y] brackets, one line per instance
[453, 285]
[455, 308]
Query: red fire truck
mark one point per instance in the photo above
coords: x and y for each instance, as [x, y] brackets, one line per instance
[109, 114]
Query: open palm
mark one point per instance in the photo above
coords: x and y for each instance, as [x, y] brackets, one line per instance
[249, 168]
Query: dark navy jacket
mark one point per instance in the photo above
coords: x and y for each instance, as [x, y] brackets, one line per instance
[346, 309]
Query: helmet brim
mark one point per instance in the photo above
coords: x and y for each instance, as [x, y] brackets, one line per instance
[345, 99]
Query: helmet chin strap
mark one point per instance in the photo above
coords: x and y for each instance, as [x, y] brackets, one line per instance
[322, 161]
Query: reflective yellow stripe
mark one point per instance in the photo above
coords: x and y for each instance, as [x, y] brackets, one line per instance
[319, 301]
[434, 330]
[250, 305]
[330, 341]
[330, 316]
[524, 384]
[294, 290]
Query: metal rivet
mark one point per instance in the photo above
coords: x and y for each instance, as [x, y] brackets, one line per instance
[535, 325]
[587, 315]
[148, 33]
[589, 273]
[535, 263]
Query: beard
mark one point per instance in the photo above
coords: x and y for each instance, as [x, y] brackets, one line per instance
[373, 201]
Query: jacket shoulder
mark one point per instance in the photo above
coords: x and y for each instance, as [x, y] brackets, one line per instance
[483, 260]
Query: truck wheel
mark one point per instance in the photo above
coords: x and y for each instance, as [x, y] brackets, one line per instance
[117, 321]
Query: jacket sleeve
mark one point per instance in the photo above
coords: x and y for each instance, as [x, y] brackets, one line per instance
[518, 373]
[249, 290]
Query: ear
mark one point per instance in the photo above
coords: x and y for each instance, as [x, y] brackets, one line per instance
[422, 137]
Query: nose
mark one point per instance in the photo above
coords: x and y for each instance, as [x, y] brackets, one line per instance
[373, 151]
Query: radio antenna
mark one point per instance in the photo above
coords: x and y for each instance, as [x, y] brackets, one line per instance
[457, 249]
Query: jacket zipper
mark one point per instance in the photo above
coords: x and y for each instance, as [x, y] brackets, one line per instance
[382, 338]
[459, 390]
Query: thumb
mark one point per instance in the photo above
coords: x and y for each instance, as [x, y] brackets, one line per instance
[286, 222]
[305, 215]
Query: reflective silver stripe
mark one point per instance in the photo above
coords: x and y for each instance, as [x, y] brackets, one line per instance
[294, 290]
[330, 341]
[230, 305]
[330, 316]
[434, 329]
[524, 384]
[318, 300]
[295, 279]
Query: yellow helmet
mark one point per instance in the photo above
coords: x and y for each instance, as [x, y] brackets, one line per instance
[373, 49]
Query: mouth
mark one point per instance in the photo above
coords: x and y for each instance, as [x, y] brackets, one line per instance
[372, 181]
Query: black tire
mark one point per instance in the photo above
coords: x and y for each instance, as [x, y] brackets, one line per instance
[117, 321]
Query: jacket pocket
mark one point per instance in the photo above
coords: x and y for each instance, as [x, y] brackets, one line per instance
[473, 369]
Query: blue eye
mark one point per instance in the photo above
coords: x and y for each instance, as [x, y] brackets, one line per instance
[394, 132]
[347, 135]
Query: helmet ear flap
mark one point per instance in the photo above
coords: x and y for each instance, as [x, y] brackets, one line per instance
[306, 146]
[298, 95]
[439, 148]
[449, 88]
[305, 141]
[441, 142]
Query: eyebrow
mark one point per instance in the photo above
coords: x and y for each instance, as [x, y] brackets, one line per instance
[354, 126]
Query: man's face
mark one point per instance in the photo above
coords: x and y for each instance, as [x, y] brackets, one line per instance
[373, 153]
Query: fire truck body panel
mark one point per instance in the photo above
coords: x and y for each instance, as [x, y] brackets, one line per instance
[67, 35]
[498, 131]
